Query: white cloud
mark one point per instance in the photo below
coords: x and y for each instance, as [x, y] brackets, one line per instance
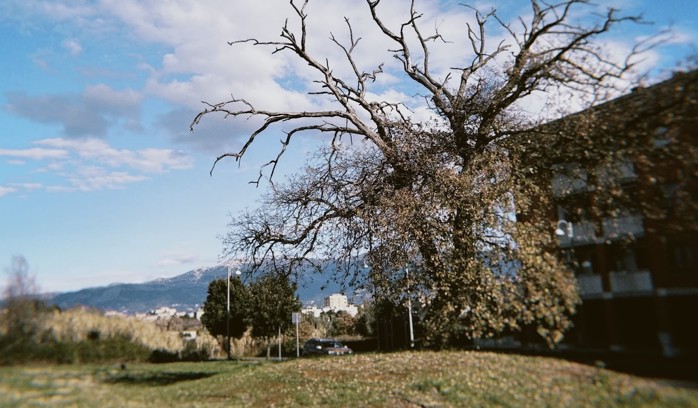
[36, 153]
[6, 190]
[73, 47]
[62, 10]
[149, 160]
[28, 186]
[96, 178]
[92, 164]
[682, 36]
[19, 187]
[177, 259]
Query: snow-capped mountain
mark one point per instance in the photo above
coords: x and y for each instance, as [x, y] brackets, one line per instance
[185, 292]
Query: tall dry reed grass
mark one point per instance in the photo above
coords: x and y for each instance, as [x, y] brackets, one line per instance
[80, 324]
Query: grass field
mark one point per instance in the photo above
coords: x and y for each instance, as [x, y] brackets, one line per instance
[407, 379]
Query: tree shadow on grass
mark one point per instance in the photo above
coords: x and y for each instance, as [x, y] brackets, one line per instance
[155, 379]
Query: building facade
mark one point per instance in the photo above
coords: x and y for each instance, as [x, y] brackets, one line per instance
[334, 303]
[626, 225]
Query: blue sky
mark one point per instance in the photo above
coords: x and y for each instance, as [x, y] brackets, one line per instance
[101, 180]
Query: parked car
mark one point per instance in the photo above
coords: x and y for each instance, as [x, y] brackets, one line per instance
[330, 347]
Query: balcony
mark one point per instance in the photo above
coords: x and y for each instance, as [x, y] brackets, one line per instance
[589, 285]
[627, 282]
[630, 225]
[583, 233]
[622, 171]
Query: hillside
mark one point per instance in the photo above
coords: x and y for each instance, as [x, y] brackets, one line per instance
[407, 379]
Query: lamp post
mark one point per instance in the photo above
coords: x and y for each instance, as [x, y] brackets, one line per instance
[409, 309]
[374, 300]
[227, 319]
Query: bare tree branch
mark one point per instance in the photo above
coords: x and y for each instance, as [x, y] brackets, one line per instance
[438, 194]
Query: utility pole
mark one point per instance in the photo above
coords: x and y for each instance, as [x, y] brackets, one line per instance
[227, 314]
[227, 318]
[409, 309]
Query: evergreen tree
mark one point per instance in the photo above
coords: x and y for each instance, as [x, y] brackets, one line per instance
[273, 300]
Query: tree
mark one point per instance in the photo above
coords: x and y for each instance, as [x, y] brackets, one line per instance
[366, 319]
[273, 299]
[22, 306]
[341, 323]
[215, 308]
[437, 194]
[311, 326]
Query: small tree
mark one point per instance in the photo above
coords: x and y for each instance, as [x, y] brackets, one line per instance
[215, 309]
[311, 326]
[343, 324]
[22, 305]
[273, 299]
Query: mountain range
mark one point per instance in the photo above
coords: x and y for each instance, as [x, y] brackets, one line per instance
[185, 292]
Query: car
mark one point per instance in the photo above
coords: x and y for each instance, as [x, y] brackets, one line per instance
[329, 347]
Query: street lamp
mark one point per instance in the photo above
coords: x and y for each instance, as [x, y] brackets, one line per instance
[374, 300]
[227, 320]
[564, 229]
[409, 309]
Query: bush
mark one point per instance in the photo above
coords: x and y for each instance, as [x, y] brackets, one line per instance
[113, 349]
[191, 352]
[17, 351]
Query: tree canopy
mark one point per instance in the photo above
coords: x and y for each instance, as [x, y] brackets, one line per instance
[216, 308]
[273, 299]
[265, 306]
[453, 194]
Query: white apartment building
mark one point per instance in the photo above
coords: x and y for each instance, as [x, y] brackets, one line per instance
[335, 303]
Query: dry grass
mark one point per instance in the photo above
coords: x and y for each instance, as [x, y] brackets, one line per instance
[409, 379]
[76, 325]
[85, 335]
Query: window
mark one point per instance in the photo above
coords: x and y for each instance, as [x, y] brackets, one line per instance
[568, 178]
[681, 256]
[661, 137]
[625, 260]
[629, 258]
[584, 260]
[575, 209]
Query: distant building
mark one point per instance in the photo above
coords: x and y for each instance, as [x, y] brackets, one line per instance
[164, 312]
[336, 301]
[312, 310]
[333, 303]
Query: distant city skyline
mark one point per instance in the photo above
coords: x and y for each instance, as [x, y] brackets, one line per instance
[101, 180]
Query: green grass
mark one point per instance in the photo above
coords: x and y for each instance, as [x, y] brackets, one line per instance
[408, 379]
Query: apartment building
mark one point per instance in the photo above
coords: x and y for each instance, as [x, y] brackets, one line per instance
[627, 224]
